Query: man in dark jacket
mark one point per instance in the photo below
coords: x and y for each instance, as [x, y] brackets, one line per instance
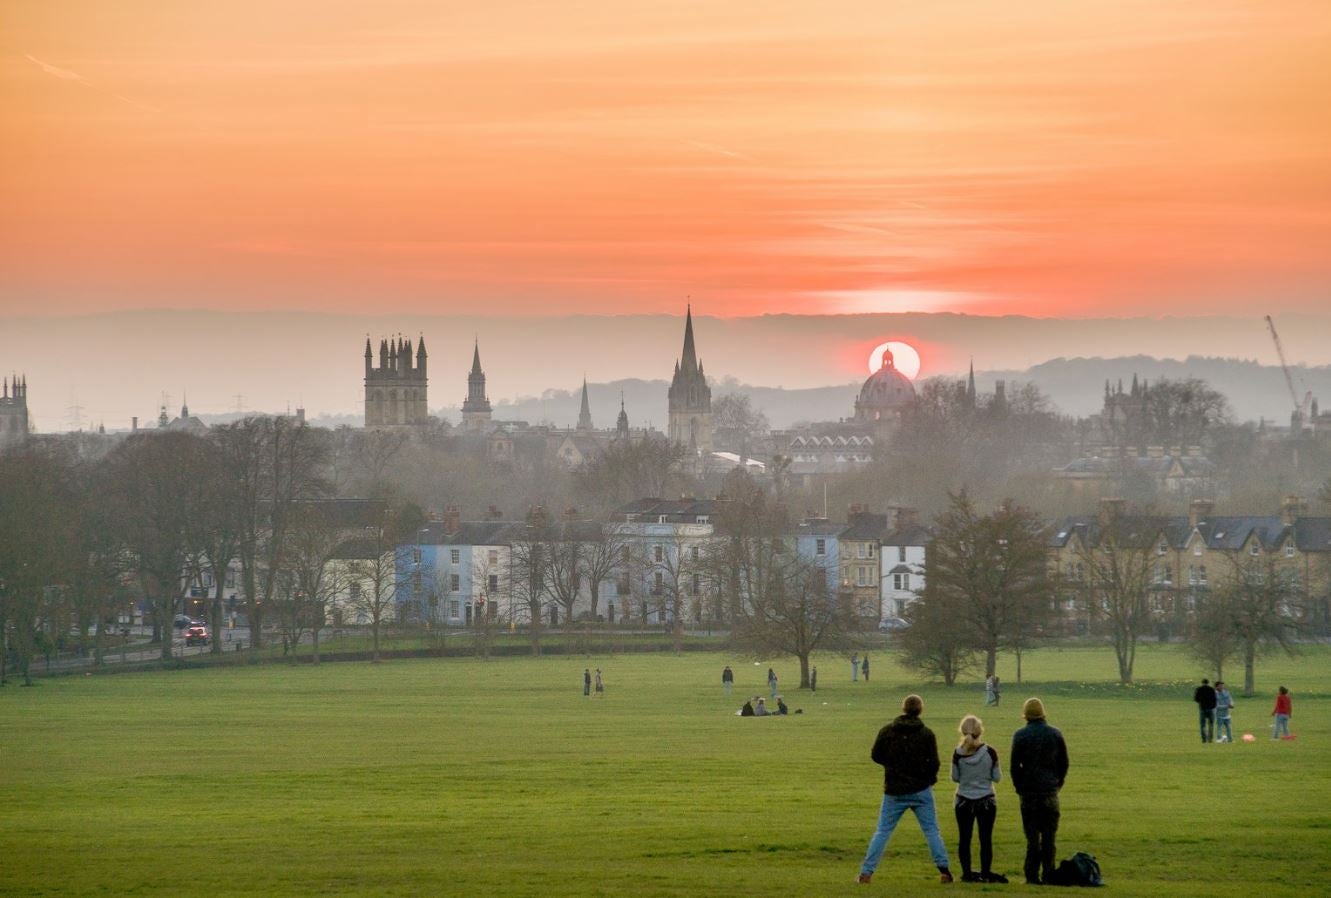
[1039, 765]
[909, 754]
[1204, 696]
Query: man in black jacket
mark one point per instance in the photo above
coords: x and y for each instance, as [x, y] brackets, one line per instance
[909, 754]
[1039, 762]
[1204, 696]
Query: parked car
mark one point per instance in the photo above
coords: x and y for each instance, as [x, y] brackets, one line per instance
[196, 634]
[893, 625]
[183, 620]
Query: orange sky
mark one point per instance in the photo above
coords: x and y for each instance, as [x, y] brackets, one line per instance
[1039, 157]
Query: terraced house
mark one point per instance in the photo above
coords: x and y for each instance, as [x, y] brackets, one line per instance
[1179, 559]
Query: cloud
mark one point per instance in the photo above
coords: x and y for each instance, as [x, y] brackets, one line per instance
[67, 75]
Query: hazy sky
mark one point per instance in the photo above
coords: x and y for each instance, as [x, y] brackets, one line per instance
[1039, 157]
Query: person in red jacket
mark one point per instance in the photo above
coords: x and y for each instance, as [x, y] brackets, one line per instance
[1284, 709]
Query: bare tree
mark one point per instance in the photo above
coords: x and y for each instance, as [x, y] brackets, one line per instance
[374, 563]
[605, 558]
[1213, 636]
[312, 580]
[529, 563]
[628, 469]
[992, 566]
[1118, 569]
[1263, 600]
[938, 641]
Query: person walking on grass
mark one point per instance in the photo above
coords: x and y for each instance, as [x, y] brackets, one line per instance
[1039, 765]
[989, 690]
[1204, 696]
[864, 668]
[813, 680]
[727, 679]
[1282, 712]
[1224, 704]
[586, 682]
[771, 681]
[908, 753]
[855, 667]
[975, 770]
[600, 684]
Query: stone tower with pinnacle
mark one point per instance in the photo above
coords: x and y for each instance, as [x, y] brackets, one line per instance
[14, 424]
[395, 391]
[690, 398]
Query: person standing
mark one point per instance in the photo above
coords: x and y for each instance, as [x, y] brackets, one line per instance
[908, 753]
[864, 668]
[1282, 712]
[998, 691]
[855, 667]
[1204, 696]
[771, 681]
[813, 680]
[586, 682]
[600, 684]
[975, 769]
[727, 679]
[1224, 704]
[989, 690]
[1039, 765]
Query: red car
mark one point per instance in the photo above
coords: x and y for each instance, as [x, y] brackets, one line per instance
[196, 634]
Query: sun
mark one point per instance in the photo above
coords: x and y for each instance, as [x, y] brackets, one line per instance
[904, 356]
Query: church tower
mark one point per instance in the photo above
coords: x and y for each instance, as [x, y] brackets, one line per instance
[585, 415]
[14, 426]
[476, 407]
[395, 391]
[690, 404]
[622, 422]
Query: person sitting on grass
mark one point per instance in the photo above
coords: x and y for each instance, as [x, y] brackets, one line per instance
[761, 710]
[747, 710]
[781, 708]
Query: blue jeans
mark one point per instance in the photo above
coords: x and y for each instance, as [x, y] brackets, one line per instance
[1222, 728]
[1206, 721]
[894, 806]
[772, 684]
[1281, 727]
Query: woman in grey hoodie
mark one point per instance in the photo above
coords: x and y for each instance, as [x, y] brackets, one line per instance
[975, 770]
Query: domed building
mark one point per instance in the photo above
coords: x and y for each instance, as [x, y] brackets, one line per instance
[885, 395]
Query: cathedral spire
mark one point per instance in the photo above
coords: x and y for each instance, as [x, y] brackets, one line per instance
[688, 361]
[622, 422]
[970, 386]
[476, 359]
[585, 414]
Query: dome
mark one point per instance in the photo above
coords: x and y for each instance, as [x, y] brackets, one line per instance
[885, 394]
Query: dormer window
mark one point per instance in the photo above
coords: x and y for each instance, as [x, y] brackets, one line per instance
[1162, 548]
[1289, 550]
[1253, 549]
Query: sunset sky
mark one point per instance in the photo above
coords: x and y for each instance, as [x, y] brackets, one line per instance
[1042, 158]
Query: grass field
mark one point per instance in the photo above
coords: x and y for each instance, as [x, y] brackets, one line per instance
[455, 776]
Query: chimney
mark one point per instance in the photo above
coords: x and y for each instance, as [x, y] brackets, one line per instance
[906, 517]
[494, 514]
[134, 424]
[300, 416]
[1111, 510]
[1291, 507]
[1175, 451]
[1194, 452]
[1155, 451]
[1199, 510]
[1111, 452]
[452, 520]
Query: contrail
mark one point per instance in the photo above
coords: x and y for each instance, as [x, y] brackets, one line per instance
[67, 75]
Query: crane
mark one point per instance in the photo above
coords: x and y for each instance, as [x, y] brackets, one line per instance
[1300, 408]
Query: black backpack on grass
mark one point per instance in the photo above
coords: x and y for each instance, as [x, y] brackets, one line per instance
[1079, 870]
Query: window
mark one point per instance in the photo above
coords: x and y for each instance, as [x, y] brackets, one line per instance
[873, 550]
[658, 583]
[861, 575]
[454, 582]
[901, 581]
[861, 550]
[1197, 547]
[455, 556]
[455, 609]
[1253, 549]
[704, 519]
[820, 547]
[493, 583]
[693, 553]
[416, 582]
[230, 579]
[695, 586]
[1289, 550]
[901, 553]
[1162, 548]
[354, 590]
[494, 556]
[658, 553]
[1162, 574]
[416, 554]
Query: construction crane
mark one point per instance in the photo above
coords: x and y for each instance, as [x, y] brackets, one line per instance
[1300, 408]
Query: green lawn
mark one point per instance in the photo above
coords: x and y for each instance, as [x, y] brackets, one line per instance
[461, 776]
